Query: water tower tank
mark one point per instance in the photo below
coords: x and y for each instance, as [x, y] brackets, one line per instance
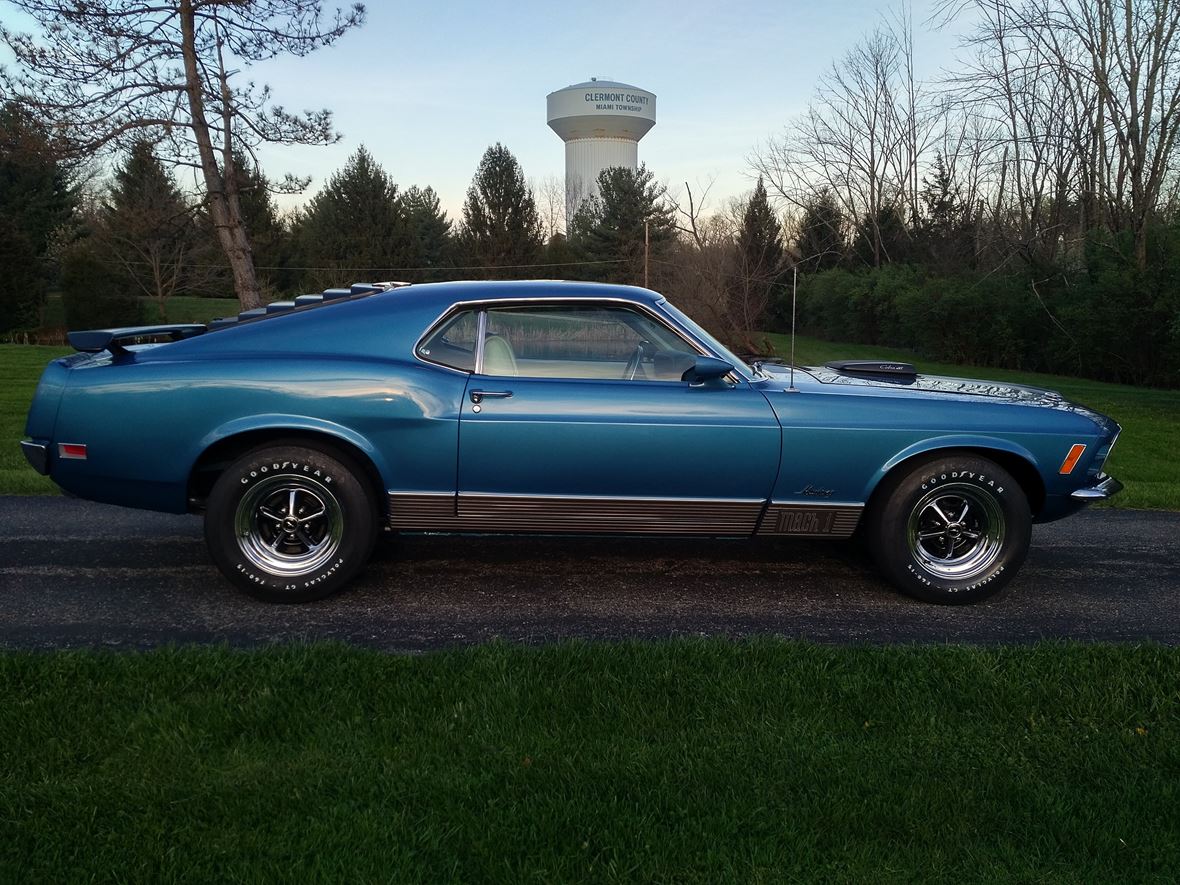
[601, 122]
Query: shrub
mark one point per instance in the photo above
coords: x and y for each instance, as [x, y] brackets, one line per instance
[95, 296]
[22, 290]
[825, 304]
[1104, 318]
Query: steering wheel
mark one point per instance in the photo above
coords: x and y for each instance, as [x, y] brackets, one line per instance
[632, 366]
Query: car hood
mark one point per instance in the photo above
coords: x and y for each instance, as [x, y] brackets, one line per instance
[1017, 393]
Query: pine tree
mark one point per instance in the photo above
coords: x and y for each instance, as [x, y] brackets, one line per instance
[146, 230]
[430, 232]
[610, 228]
[501, 227]
[885, 239]
[945, 229]
[36, 199]
[760, 238]
[259, 213]
[93, 295]
[21, 286]
[176, 75]
[820, 243]
[35, 191]
[270, 240]
[559, 257]
[356, 225]
[758, 257]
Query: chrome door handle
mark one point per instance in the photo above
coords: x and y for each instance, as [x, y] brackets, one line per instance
[478, 396]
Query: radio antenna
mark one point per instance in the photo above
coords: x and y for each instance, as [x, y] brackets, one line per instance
[794, 288]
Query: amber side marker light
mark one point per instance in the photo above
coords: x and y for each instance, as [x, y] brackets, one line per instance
[76, 451]
[1071, 460]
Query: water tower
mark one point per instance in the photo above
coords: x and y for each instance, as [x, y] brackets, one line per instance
[601, 122]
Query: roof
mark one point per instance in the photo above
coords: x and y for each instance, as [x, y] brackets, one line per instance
[495, 290]
[590, 84]
[378, 323]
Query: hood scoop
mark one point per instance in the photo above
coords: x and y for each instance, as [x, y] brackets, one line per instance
[890, 369]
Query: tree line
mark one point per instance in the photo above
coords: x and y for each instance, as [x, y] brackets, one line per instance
[1021, 211]
[138, 238]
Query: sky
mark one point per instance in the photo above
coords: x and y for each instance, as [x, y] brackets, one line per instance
[427, 86]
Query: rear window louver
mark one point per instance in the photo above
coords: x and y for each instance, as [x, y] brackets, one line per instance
[119, 341]
[301, 301]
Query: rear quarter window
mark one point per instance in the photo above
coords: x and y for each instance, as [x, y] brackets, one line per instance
[453, 343]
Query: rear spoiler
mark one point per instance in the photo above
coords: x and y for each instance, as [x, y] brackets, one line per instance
[98, 340]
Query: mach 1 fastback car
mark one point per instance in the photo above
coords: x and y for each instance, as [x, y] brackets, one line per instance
[303, 428]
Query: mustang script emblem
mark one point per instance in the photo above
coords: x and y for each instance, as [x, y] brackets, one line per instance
[812, 492]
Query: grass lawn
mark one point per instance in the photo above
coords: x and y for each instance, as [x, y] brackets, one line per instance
[20, 369]
[1145, 457]
[705, 761]
[184, 309]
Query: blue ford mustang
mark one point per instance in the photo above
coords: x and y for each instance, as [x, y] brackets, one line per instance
[301, 429]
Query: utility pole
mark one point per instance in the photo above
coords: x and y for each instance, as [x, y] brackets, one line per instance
[646, 251]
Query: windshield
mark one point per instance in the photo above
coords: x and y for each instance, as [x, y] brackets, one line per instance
[713, 344]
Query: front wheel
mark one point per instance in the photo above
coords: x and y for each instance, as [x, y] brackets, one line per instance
[952, 530]
[290, 524]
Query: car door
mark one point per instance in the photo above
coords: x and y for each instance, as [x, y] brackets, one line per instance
[576, 420]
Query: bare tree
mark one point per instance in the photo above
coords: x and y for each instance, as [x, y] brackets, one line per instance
[1086, 98]
[862, 139]
[550, 196]
[724, 286]
[109, 74]
[577, 193]
[702, 258]
[1133, 55]
[910, 109]
[1016, 91]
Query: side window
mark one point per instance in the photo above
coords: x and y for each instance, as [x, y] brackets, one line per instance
[582, 341]
[453, 344]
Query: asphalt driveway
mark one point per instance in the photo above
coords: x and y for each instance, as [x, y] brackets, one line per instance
[74, 574]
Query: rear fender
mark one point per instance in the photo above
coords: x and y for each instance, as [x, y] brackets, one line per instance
[42, 418]
[279, 424]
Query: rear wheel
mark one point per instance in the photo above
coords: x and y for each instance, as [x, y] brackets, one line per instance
[951, 530]
[290, 523]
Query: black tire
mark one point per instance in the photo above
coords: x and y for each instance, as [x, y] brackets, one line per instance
[291, 523]
[952, 530]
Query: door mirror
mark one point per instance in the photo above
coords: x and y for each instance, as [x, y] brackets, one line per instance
[706, 368]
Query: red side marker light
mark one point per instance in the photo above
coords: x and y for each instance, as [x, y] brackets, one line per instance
[76, 451]
[1071, 460]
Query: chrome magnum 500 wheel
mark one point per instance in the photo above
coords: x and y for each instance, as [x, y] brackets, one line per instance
[951, 530]
[290, 524]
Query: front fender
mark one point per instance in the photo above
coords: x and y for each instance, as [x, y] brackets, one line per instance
[948, 442]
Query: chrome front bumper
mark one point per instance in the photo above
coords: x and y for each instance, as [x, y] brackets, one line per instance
[37, 454]
[1107, 487]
